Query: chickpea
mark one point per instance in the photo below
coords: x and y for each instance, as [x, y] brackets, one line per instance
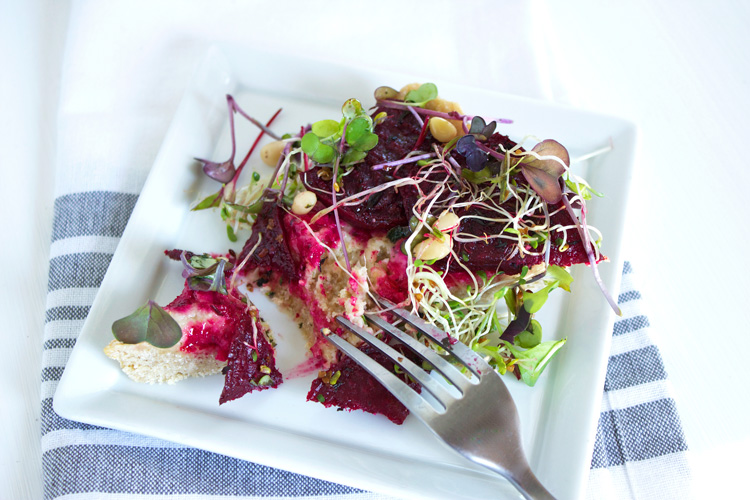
[433, 248]
[441, 129]
[304, 201]
[271, 152]
[447, 222]
[439, 104]
[444, 106]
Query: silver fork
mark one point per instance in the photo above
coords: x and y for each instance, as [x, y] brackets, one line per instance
[481, 423]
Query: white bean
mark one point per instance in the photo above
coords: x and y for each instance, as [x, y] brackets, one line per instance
[304, 201]
[271, 152]
[433, 248]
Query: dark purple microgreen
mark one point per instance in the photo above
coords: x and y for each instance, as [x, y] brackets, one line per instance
[222, 172]
[543, 175]
[518, 325]
[480, 129]
[149, 323]
[466, 145]
[476, 159]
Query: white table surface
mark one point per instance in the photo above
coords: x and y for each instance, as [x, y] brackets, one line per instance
[680, 70]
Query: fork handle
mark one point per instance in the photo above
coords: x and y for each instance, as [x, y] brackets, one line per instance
[529, 486]
[523, 479]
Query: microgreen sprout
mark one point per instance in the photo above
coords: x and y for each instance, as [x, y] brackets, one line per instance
[237, 206]
[421, 95]
[149, 323]
[206, 273]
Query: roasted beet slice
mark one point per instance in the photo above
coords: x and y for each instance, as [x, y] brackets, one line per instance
[397, 135]
[273, 251]
[250, 365]
[502, 254]
[348, 386]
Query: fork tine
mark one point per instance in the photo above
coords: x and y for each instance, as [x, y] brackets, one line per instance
[475, 363]
[438, 391]
[415, 403]
[446, 369]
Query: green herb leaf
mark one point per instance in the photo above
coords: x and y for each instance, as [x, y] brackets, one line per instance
[532, 362]
[230, 233]
[149, 323]
[425, 92]
[561, 275]
[353, 156]
[583, 189]
[531, 337]
[510, 300]
[325, 128]
[533, 301]
[351, 109]
[208, 202]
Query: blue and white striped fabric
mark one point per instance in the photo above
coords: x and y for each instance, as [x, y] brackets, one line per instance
[639, 451]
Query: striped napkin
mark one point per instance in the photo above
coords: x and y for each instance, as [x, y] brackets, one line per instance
[639, 451]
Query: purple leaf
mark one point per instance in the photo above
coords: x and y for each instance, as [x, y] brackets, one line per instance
[543, 174]
[466, 145]
[544, 184]
[222, 172]
[148, 323]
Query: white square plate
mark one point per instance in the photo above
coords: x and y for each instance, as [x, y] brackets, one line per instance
[279, 428]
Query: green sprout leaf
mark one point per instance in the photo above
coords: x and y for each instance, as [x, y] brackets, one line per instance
[532, 362]
[319, 152]
[359, 135]
[582, 188]
[230, 233]
[425, 92]
[531, 337]
[149, 323]
[351, 109]
[561, 275]
[208, 202]
[353, 156]
[325, 128]
[533, 301]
